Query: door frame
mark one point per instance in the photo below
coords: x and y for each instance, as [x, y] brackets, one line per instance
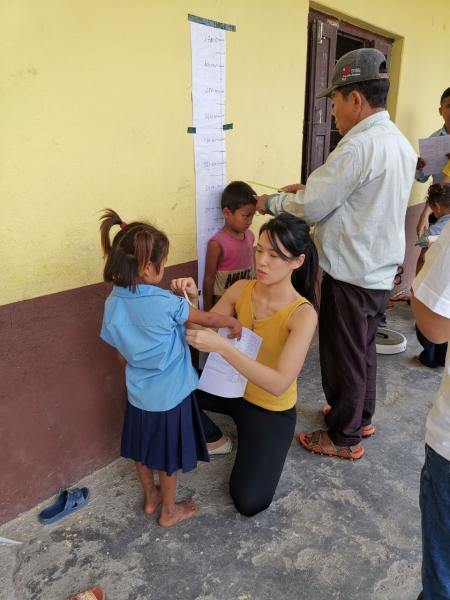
[323, 30]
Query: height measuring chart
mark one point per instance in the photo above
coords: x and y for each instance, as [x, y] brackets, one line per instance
[208, 102]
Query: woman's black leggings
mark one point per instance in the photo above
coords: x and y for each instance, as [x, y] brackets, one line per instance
[264, 438]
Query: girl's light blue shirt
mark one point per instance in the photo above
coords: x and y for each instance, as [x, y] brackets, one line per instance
[147, 328]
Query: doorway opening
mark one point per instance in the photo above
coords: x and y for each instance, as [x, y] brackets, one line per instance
[328, 40]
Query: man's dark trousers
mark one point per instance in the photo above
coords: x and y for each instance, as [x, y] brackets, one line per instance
[348, 321]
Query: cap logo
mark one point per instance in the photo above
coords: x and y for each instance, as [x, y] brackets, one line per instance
[350, 72]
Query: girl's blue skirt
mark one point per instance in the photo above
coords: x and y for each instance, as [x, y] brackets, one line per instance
[165, 441]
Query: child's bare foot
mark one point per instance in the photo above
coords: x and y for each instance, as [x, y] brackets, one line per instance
[181, 512]
[152, 501]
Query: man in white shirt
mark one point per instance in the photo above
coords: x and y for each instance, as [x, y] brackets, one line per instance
[358, 200]
[431, 307]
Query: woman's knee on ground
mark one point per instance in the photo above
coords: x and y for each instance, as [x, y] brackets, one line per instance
[249, 503]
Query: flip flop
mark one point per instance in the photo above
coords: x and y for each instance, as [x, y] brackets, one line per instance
[95, 593]
[318, 442]
[67, 502]
[368, 430]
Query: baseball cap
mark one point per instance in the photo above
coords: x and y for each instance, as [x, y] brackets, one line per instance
[364, 64]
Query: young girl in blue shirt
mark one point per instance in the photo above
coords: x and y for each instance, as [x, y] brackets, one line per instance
[162, 429]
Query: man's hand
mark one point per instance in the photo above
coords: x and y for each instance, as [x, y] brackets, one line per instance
[293, 187]
[261, 203]
[420, 164]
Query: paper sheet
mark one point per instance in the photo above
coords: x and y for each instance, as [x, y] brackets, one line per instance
[219, 377]
[208, 100]
[434, 150]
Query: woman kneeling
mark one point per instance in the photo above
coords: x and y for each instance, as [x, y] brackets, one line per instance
[279, 307]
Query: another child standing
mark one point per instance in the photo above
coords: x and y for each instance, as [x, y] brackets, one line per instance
[230, 254]
[438, 202]
[162, 429]
[444, 111]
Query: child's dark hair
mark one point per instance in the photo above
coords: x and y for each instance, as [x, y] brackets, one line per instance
[132, 248]
[439, 193]
[237, 194]
[445, 94]
[293, 233]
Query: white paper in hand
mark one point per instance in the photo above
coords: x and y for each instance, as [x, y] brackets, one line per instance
[434, 151]
[219, 377]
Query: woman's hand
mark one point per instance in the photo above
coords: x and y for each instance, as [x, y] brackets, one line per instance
[184, 284]
[205, 340]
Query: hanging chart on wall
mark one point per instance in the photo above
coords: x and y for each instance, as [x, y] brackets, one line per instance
[208, 113]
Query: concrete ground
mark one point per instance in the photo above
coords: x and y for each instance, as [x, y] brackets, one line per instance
[336, 529]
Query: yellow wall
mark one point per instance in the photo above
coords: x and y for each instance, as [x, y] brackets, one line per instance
[95, 102]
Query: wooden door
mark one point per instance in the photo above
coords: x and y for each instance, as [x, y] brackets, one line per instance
[323, 33]
[317, 123]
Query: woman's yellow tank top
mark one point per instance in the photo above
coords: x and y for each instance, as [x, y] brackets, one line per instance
[274, 333]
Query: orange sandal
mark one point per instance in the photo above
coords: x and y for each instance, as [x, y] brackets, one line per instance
[366, 431]
[319, 442]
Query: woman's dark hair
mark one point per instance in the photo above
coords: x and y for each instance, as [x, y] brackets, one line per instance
[237, 194]
[439, 193]
[375, 91]
[132, 248]
[293, 233]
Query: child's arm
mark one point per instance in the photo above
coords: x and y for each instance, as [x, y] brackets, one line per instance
[423, 220]
[122, 361]
[253, 252]
[215, 320]
[421, 259]
[213, 255]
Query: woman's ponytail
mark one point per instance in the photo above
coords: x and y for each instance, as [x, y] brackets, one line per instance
[304, 279]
